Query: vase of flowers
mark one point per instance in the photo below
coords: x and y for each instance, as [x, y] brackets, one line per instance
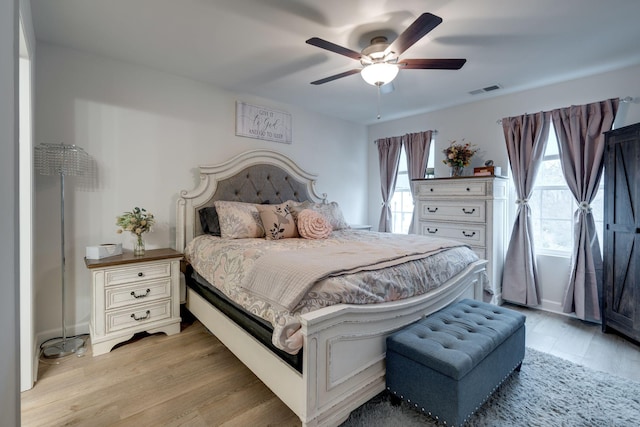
[137, 222]
[458, 156]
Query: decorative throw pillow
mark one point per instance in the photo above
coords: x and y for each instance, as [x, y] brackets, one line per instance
[278, 221]
[209, 221]
[331, 211]
[238, 220]
[313, 225]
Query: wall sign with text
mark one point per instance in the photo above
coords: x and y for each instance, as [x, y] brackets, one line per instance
[263, 123]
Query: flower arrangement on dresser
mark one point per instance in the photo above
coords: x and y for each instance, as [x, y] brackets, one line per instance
[137, 222]
[458, 156]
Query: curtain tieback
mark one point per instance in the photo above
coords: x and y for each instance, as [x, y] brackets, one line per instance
[522, 202]
[584, 207]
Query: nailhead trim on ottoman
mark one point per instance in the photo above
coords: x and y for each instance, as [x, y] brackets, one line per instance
[449, 363]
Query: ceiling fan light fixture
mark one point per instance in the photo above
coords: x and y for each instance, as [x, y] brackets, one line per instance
[379, 74]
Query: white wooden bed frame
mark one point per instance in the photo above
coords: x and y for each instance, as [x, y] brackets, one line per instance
[344, 345]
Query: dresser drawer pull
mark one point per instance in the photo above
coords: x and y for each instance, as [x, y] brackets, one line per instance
[431, 189]
[432, 210]
[140, 274]
[465, 234]
[139, 319]
[468, 189]
[133, 294]
[468, 212]
[432, 231]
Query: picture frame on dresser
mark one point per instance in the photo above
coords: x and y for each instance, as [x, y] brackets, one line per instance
[471, 209]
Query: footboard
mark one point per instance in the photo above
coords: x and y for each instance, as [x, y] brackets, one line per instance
[345, 345]
[344, 348]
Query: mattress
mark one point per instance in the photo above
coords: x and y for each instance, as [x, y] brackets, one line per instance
[225, 264]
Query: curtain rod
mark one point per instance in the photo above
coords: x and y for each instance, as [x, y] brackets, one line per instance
[626, 100]
[433, 133]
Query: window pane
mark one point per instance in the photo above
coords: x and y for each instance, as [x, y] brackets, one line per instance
[402, 181]
[556, 235]
[550, 173]
[556, 204]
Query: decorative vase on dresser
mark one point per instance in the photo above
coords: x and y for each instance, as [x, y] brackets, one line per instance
[131, 294]
[621, 287]
[472, 210]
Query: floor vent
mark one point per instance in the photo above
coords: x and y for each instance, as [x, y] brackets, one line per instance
[485, 89]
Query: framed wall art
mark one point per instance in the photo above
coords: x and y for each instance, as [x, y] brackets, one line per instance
[264, 123]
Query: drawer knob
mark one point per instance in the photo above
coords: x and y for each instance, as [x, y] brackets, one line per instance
[141, 295]
[431, 189]
[432, 210]
[465, 234]
[139, 319]
[140, 274]
[468, 189]
[432, 230]
[468, 212]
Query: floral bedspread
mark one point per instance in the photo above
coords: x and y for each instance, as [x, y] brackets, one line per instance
[224, 263]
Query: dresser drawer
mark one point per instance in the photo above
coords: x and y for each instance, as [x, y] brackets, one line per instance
[452, 188]
[122, 296]
[137, 273]
[449, 210]
[137, 315]
[471, 234]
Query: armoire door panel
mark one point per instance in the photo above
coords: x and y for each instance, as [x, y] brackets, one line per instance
[621, 285]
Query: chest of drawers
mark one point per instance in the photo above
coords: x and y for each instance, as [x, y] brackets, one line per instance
[471, 210]
[132, 294]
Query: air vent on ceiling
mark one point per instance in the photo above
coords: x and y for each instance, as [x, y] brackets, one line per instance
[485, 89]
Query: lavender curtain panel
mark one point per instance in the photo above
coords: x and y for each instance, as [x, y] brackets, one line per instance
[526, 138]
[388, 157]
[579, 130]
[416, 145]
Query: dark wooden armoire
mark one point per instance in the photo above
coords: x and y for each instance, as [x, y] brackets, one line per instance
[621, 289]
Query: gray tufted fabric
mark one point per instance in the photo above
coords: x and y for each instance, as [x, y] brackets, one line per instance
[455, 339]
[449, 363]
[260, 184]
[263, 183]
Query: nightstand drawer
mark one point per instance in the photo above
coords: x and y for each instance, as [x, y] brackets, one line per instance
[449, 210]
[137, 273]
[473, 235]
[122, 296]
[461, 187]
[138, 315]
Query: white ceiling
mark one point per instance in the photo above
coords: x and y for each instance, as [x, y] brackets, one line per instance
[258, 46]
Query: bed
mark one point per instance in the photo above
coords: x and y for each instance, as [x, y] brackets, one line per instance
[341, 363]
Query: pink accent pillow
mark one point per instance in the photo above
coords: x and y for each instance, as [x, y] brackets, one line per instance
[313, 225]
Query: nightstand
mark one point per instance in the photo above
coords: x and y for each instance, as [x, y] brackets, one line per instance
[131, 294]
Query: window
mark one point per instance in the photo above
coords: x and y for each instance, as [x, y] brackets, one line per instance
[553, 205]
[402, 202]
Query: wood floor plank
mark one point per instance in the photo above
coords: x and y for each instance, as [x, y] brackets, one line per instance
[191, 380]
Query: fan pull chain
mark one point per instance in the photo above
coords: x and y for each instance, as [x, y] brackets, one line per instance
[378, 86]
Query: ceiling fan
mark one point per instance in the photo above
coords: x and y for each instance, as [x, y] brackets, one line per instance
[380, 60]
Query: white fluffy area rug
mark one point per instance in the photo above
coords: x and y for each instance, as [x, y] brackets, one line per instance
[548, 391]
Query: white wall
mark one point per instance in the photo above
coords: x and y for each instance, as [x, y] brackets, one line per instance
[9, 275]
[147, 131]
[476, 122]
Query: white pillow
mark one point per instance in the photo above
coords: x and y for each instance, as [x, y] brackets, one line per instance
[238, 220]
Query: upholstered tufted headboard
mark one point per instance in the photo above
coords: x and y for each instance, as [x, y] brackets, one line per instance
[257, 176]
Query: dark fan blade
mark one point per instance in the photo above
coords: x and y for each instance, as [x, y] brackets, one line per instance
[336, 76]
[323, 44]
[418, 29]
[431, 64]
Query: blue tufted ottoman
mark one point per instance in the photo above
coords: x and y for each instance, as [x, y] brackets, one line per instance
[449, 363]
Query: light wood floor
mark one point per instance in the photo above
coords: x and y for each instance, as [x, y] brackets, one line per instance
[190, 379]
